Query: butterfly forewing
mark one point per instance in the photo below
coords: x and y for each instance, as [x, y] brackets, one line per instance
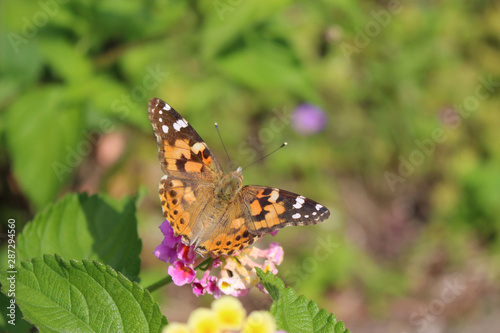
[269, 209]
[181, 151]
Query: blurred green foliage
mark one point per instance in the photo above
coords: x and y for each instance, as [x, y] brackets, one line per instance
[389, 75]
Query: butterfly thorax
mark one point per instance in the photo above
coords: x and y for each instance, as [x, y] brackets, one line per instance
[228, 187]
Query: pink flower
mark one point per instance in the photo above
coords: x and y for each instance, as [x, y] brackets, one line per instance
[198, 288]
[167, 250]
[231, 275]
[186, 253]
[181, 274]
[275, 253]
[212, 288]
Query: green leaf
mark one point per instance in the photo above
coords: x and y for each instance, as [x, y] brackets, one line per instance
[234, 21]
[295, 313]
[83, 227]
[82, 296]
[43, 134]
[266, 66]
[17, 324]
[68, 61]
[20, 59]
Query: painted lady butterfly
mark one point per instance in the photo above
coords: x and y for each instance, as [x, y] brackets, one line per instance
[211, 210]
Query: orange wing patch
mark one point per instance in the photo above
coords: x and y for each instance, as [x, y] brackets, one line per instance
[266, 211]
[201, 149]
[227, 243]
[189, 195]
[171, 194]
[185, 158]
[191, 166]
[237, 223]
[255, 207]
[178, 150]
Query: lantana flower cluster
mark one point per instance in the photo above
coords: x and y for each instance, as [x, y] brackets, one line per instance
[230, 275]
[225, 315]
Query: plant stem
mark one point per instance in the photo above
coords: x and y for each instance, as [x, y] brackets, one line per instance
[166, 280]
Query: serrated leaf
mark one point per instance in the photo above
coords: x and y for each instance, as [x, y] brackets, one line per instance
[86, 227]
[42, 131]
[82, 296]
[294, 313]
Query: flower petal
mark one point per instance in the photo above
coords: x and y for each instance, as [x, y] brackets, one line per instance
[186, 253]
[229, 312]
[275, 253]
[181, 274]
[259, 322]
[203, 321]
[165, 253]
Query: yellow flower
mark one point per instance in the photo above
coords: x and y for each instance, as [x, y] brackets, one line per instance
[259, 322]
[176, 328]
[203, 320]
[229, 312]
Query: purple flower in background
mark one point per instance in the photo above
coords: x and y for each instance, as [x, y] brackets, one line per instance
[308, 119]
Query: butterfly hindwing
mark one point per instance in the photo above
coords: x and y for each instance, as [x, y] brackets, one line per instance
[230, 234]
[269, 209]
[182, 207]
[181, 151]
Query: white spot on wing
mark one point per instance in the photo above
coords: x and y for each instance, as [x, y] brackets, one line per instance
[197, 147]
[160, 112]
[318, 206]
[314, 213]
[298, 202]
[167, 107]
[296, 216]
[160, 120]
[164, 128]
[181, 123]
[274, 196]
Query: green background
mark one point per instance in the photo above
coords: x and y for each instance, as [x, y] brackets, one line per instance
[408, 162]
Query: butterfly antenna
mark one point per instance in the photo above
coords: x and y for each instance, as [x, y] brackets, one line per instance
[223, 145]
[260, 159]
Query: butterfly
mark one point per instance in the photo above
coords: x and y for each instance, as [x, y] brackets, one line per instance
[211, 210]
